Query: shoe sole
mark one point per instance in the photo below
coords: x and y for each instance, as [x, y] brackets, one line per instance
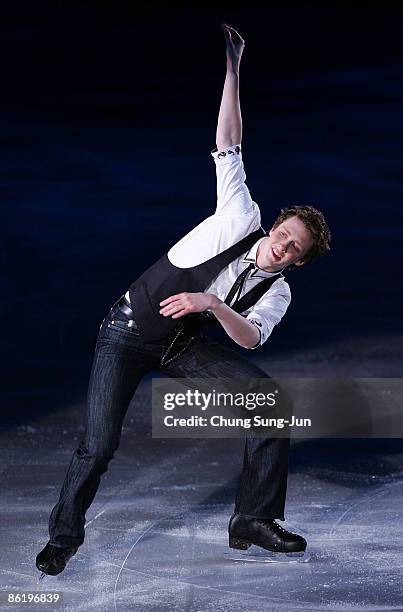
[238, 543]
[241, 544]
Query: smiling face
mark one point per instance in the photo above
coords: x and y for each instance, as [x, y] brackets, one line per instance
[285, 244]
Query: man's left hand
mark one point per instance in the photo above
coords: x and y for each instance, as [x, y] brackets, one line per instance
[184, 303]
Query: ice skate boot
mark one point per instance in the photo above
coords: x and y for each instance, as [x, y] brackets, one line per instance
[52, 560]
[245, 531]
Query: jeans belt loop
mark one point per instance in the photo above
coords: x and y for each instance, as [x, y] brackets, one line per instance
[125, 307]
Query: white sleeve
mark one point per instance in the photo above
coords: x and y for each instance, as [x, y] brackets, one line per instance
[233, 196]
[270, 309]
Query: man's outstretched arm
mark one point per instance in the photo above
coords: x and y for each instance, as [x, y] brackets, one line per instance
[229, 132]
[229, 125]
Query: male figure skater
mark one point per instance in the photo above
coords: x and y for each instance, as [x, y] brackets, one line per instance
[227, 257]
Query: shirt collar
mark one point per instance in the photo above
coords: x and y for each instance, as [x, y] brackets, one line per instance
[250, 257]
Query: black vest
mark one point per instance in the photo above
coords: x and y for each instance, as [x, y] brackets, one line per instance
[163, 279]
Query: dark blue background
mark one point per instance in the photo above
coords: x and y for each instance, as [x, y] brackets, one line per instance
[108, 118]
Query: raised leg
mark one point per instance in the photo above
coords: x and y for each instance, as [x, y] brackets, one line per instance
[119, 364]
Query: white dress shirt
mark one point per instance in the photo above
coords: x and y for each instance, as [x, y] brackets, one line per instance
[236, 215]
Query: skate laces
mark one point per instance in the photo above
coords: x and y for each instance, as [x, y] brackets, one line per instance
[272, 524]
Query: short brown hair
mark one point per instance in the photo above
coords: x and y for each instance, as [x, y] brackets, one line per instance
[315, 222]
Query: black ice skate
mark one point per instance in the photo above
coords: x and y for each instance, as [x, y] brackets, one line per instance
[52, 560]
[244, 531]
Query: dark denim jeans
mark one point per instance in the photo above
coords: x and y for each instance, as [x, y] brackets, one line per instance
[120, 361]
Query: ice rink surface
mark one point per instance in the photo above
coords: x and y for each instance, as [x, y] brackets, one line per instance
[156, 533]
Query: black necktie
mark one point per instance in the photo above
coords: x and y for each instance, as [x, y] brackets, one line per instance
[237, 286]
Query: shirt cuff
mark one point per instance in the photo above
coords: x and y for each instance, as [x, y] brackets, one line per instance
[258, 343]
[226, 155]
[258, 325]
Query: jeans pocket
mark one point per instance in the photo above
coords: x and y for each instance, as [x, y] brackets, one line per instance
[127, 327]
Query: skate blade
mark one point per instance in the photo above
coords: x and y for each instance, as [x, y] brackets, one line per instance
[255, 554]
[42, 577]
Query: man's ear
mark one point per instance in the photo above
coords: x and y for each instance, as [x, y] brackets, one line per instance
[269, 233]
[300, 262]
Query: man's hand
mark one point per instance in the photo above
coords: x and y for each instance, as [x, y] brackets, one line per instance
[184, 303]
[235, 46]
[242, 331]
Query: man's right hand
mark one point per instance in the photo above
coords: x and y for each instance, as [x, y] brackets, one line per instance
[235, 46]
